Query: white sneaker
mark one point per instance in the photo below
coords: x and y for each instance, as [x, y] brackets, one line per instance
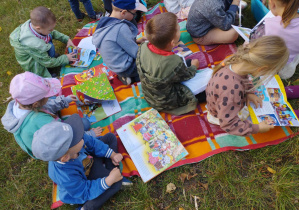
[243, 4]
[107, 14]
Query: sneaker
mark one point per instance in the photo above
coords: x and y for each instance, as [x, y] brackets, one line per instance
[98, 16]
[243, 4]
[125, 80]
[126, 182]
[81, 19]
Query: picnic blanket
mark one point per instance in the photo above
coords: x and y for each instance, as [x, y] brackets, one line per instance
[199, 137]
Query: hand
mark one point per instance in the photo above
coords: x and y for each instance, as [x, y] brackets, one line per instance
[113, 177]
[264, 127]
[236, 2]
[195, 62]
[116, 158]
[254, 99]
[98, 130]
[141, 40]
[70, 43]
[71, 56]
[73, 98]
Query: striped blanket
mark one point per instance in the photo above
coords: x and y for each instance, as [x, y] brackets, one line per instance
[200, 138]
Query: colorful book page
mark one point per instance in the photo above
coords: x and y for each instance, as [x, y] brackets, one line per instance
[181, 49]
[84, 56]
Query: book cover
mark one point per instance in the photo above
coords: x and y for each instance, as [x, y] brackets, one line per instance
[151, 144]
[181, 49]
[84, 57]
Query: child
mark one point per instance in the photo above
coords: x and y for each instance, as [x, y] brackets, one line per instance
[161, 71]
[33, 110]
[180, 7]
[229, 89]
[209, 22]
[285, 25]
[81, 179]
[88, 7]
[115, 36]
[33, 43]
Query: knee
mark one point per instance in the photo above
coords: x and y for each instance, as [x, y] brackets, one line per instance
[111, 138]
[234, 36]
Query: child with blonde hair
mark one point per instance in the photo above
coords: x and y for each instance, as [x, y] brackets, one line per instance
[285, 25]
[229, 89]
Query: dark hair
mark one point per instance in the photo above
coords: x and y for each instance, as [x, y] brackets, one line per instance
[42, 16]
[161, 29]
[290, 11]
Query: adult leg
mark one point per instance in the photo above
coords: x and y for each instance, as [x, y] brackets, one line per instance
[89, 9]
[75, 8]
[217, 36]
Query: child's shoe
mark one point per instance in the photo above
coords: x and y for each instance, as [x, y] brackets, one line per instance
[81, 19]
[98, 16]
[125, 80]
[126, 182]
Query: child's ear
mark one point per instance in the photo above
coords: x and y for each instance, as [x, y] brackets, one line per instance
[65, 158]
[123, 12]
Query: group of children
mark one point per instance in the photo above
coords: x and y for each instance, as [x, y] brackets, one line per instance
[32, 114]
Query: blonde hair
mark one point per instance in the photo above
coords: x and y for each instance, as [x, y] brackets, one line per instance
[268, 51]
[30, 106]
[290, 11]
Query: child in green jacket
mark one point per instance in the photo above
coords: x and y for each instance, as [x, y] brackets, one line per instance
[33, 43]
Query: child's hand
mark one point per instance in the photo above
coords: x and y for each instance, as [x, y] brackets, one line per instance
[113, 177]
[139, 41]
[195, 62]
[73, 98]
[236, 2]
[264, 127]
[71, 56]
[98, 130]
[116, 158]
[254, 99]
[70, 43]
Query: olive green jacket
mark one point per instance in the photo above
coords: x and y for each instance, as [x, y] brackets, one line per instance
[161, 78]
[32, 52]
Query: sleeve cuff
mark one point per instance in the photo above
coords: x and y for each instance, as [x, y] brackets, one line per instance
[255, 128]
[104, 185]
[91, 133]
[233, 8]
[108, 153]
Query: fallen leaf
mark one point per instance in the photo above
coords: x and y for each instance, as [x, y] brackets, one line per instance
[278, 160]
[9, 73]
[183, 176]
[181, 208]
[271, 170]
[170, 188]
[191, 176]
[204, 185]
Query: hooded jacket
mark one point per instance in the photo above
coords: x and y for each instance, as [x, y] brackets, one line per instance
[32, 52]
[25, 128]
[116, 41]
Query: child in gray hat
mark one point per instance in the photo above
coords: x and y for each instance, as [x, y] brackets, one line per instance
[81, 179]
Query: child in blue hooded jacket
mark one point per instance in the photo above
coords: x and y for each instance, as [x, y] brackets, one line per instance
[115, 37]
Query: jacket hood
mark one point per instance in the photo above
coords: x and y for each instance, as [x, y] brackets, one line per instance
[9, 121]
[105, 25]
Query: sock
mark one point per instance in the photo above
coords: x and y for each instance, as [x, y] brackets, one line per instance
[292, 92]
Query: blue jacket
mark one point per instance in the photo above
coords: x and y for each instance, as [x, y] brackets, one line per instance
[116, 41]
[73, 185]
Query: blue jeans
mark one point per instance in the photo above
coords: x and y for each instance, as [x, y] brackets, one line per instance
[51, 52]
[87, 5]
[131, 72]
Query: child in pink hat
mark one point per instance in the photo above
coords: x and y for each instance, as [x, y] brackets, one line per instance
[32, 109]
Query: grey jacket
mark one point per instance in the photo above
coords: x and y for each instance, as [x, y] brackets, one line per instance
[205, 15]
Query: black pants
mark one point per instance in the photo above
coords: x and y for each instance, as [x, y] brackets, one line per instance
[99, 170]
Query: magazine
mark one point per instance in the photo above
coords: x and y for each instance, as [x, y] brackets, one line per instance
[84, 57]
[94, 72]
[276, 110]
[258, 31]
[151, 144]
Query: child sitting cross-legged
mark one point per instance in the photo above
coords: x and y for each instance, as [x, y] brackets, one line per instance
[229, 89]
[161, 71]
[33, 110]
[33, 43]
[81, 179]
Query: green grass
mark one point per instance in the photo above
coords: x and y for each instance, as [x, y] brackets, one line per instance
[237, 180]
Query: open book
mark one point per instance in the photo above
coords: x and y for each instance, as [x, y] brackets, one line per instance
[151, 144]
[84, 57]
[276, 110]
[258, 30]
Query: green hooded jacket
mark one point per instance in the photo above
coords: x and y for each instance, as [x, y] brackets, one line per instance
[161, 78]
[32, 52]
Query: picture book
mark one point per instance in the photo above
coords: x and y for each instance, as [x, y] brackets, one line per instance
[181, 49]
[258, 31]
[94, 72]
[84, 57]
[151, 144]
[100, 111]
[275, 110]
[94, 90]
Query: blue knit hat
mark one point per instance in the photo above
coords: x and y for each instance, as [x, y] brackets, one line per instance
[129, 5]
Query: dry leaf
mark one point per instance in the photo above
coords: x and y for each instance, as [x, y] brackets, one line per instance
[181, 208]
[191, 176]
[8, 73]
[206, 186]
[183, 176]
[184, 193]
[170, 188]
[271, 170]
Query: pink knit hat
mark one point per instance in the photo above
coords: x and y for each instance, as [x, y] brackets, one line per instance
[28, 88]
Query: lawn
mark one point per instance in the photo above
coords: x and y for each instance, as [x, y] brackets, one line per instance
[237, 180]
